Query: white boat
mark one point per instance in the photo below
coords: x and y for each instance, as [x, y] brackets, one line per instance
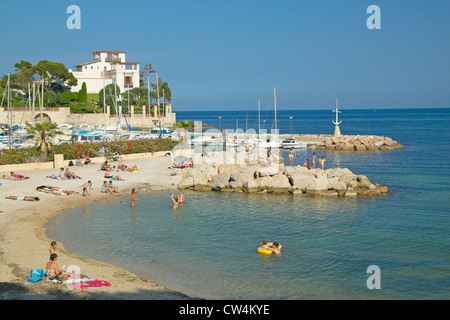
[155, 133]
[87, 136]
[291, 143]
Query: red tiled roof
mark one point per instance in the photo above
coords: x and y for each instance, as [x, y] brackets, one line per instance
[108, 51]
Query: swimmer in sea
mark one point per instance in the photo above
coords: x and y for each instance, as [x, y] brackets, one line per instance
[180, 197]
[322, 162]
[265, 246]
[275, 248]
[174, 200]
[133, 197]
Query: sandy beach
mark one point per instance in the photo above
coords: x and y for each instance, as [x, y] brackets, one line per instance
[24, 245]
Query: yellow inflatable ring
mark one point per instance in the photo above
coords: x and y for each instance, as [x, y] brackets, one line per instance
[265, 251]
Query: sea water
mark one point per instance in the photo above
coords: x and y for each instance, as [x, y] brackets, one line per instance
[207, 247]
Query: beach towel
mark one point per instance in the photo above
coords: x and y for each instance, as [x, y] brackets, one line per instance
[36, 275]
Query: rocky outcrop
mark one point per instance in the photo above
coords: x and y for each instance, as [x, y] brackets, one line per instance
[279, 179]
[358, 143]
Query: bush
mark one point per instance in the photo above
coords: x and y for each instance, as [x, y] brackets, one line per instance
[78, 150]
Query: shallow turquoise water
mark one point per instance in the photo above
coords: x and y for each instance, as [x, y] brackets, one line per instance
[207, 248]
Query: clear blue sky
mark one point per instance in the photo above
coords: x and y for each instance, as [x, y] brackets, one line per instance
[225, 54]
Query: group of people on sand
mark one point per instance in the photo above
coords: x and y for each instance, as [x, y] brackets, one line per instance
[64, 174]
[307, 163]
[54, 272]
[85, 162]
[120, 167]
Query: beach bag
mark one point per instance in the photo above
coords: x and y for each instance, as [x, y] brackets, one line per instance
[36, 275]
[71, 163]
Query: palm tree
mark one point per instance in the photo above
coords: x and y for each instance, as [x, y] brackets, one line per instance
[186, 124]
[43, 131]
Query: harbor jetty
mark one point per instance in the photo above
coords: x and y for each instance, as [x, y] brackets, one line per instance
[278, 179]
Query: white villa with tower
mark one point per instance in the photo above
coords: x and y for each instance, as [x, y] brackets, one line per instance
[105, 68]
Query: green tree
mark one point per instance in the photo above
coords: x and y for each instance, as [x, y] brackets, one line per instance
[54, 72]
[24, 74]
[186, 124]
[50, 99]
[43, 131]
[82, 94]
[109, 93]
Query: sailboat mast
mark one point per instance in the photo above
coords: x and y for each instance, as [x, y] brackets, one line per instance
[104, 100]
[259, 117]
[8, 115]
[275, 102]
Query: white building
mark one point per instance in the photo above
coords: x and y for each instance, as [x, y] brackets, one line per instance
[107, 67]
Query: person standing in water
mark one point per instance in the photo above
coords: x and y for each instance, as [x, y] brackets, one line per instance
[174, 200]
[292, 156]
[313, 160]
[181, 197]
[322, 162]
[133, 197]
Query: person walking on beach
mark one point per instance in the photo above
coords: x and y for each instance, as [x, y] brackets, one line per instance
[86, 187]
[322, 162]
[52, 247]
[133, 197]
[292, 156]
[313, 160]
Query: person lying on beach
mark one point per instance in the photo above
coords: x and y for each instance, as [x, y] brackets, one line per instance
[133, 197]
[24, 198]
[110, 176]
[174, 200]
[86, 186]
[132, 169]
[16, 176]
[113, 188]
[105, 188]
[105, 166]
[54, 272]
[54, 190]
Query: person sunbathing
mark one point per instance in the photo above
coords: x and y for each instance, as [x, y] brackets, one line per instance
[110, 176]
[54, 190]
[113, 188]
[16, 176]
[105, 188]
[132, 169]
[105, 166]
[54, 272]
[70, 175]
[24, 198]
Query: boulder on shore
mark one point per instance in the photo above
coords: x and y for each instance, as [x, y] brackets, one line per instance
[359, 143]
[294, 180]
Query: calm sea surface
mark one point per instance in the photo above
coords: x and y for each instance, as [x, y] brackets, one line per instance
[207, 248]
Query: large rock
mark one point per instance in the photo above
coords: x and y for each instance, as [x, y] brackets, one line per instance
[279, 184]
[317, 185]
[188, 182]
[220, 181]
[300, 181]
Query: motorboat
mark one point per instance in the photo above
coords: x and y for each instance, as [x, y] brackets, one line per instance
[291, 143]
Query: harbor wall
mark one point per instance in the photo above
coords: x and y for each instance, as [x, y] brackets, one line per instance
[63, 115]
